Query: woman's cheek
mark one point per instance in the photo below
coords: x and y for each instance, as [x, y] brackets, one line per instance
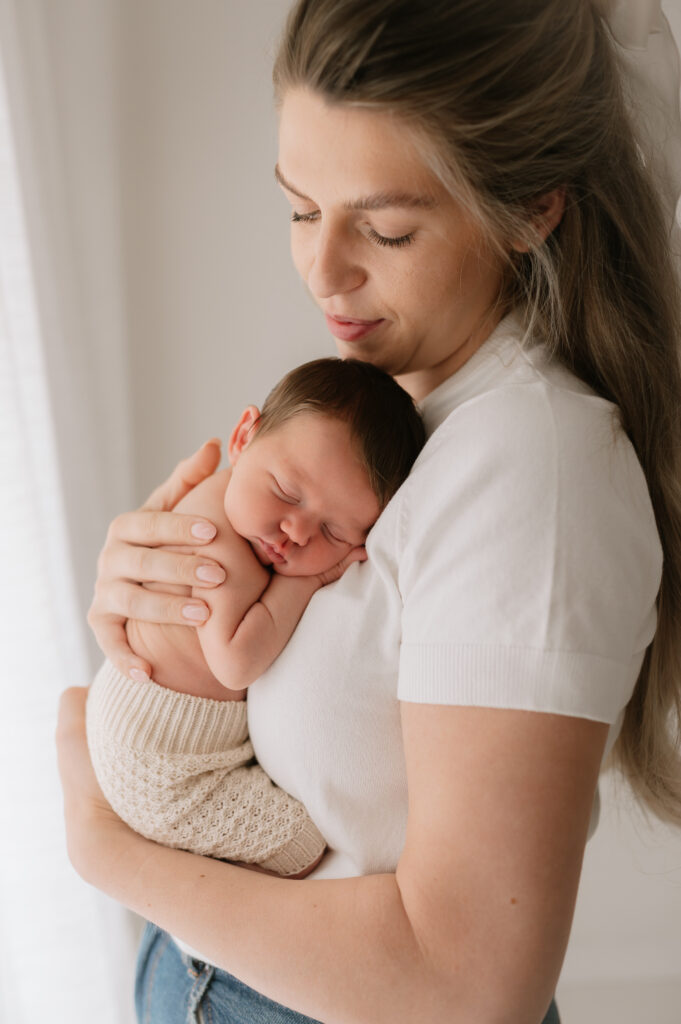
[302, 252]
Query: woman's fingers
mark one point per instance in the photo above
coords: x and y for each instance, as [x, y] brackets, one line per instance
[113, 642]
[129, 600]
[125, 600]
[121, 560]
[133, 555]
[186, 475]
[152, 528]
[119, 600]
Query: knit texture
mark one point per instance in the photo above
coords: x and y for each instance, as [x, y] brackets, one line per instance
[180, 770]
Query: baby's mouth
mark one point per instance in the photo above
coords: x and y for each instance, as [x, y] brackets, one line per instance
[272, 551]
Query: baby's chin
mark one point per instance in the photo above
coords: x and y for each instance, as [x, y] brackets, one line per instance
[284, 569]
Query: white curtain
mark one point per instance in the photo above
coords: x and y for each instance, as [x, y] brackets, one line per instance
[66, 953]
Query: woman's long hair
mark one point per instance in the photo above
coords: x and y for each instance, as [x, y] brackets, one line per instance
[512, 99]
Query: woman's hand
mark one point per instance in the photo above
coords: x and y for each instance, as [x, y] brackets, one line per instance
[132, 555]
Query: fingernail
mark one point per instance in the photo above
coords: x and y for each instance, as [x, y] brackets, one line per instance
[138, 675]
[210, 573]
[195, 612]
[204, 531]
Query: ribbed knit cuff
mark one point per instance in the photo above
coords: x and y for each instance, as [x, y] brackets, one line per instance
[300, 853]
[161, 721]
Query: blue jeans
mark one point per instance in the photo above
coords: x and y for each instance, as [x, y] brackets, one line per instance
[172, 988]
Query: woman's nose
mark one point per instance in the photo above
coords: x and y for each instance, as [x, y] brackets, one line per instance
[334, 268]
[297, 528]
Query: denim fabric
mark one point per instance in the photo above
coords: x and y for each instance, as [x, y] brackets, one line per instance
[172, 988]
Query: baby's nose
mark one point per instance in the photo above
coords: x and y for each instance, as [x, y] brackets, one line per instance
[297, 529]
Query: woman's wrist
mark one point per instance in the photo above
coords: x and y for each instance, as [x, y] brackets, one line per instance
[96, 839]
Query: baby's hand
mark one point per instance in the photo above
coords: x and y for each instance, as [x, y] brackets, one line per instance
[357, 554]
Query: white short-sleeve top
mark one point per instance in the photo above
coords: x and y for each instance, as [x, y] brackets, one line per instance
[517, 567]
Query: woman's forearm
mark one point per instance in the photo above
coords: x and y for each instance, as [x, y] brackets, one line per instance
[337, 950]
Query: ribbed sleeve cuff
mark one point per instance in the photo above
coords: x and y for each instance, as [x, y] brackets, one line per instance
[523, 678]
[146, 716]
[300, 852]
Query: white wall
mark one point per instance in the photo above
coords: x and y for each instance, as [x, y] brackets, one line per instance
[215, 314]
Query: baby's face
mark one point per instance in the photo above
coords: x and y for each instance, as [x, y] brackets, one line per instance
[300, 496]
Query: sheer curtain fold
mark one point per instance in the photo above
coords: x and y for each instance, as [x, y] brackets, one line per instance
[66, 953]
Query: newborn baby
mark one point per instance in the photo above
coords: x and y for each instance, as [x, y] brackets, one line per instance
[308, 477]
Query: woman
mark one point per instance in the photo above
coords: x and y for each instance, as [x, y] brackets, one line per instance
[471, 212]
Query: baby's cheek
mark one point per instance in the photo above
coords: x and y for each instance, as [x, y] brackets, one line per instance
[321, 559]
[333, 555]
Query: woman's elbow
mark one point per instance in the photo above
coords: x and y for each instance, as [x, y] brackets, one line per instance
[478, 972]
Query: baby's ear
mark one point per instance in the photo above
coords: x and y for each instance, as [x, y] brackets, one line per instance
[243, 432]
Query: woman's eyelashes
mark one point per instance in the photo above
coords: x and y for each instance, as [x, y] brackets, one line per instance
[372, 235]
[395, 242]
[303, 218]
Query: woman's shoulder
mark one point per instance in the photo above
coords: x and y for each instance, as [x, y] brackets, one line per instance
[534, 424]
[536, 454]
[529, 555]
[502, 376]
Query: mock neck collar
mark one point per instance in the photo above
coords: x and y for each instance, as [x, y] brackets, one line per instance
[486, 366]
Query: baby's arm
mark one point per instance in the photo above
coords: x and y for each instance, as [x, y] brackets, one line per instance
[241, 640]
[263, 632]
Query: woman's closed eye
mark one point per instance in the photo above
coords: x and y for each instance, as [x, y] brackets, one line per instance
[391, 241]
[303, 218]
[385, 240]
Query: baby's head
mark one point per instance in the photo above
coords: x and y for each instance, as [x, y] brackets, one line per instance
[313, 470]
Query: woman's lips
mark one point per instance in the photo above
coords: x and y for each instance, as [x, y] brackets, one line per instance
[350, 328]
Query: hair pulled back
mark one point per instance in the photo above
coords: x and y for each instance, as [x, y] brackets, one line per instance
[509, 100]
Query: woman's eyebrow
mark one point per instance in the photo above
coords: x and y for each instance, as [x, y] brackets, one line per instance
[375, 201]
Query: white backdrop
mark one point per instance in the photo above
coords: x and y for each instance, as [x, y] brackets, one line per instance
[182, 239]
[66, 952]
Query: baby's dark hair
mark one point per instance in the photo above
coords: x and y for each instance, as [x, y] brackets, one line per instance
[384, 423]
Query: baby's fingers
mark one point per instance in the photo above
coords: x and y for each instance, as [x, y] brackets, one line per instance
[186, 475]
[357, 554]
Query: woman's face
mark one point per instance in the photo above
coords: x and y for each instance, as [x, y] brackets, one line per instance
[405, 276]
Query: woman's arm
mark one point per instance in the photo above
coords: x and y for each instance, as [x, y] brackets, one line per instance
[473, 925]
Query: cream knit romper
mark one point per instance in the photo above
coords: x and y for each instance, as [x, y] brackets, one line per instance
[180, 770]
